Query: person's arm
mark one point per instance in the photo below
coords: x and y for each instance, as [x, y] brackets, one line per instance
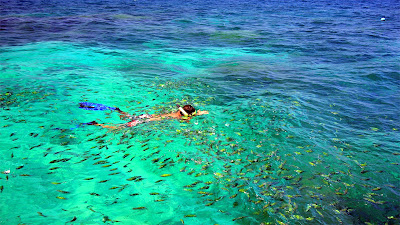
[199, 112]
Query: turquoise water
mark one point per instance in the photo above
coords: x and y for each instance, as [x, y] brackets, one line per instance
[303, 125]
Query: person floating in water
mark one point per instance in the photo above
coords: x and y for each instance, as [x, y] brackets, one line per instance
[186, 112]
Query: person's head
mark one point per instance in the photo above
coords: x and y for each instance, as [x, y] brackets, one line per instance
[188, 109]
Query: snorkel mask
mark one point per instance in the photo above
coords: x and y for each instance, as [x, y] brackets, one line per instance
[185, 114]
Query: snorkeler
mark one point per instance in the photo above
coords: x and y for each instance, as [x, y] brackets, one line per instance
[186, 113]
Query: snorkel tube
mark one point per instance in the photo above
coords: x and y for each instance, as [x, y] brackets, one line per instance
[186, 115]
[182, 110]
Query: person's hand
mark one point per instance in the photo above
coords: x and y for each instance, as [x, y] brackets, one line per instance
[202, 112]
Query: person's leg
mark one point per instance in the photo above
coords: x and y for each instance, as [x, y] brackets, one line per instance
[103, 125]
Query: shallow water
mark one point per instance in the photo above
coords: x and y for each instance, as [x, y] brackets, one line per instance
[303, 125]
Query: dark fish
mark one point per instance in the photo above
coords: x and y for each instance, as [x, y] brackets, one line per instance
[1, 188]
[33, 134]
[100, 162]
[105, 219]
[155, 160]
[36, 146]
[73, 219]
[195, 183]
[19, 167]
[144, 141]
[95, 194]
[82, 160]
[60, 160]
[133, 178]
[103, 181]
[139, 208]
[239, 218]
[165, 160]
[41, 214]
[198, 174]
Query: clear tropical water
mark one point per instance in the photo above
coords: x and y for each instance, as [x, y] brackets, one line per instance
[303, 97]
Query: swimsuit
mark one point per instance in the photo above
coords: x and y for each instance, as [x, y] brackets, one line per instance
[132, 123]
[143, 116]
[135, 120]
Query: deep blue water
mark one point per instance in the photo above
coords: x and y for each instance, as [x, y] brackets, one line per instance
[311, 88]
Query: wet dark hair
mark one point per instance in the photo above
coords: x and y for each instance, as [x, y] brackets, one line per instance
[189, 109]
